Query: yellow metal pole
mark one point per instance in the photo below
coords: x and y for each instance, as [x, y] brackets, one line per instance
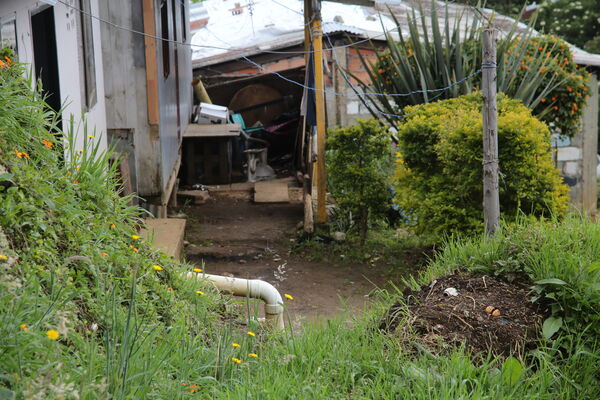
[321, 123]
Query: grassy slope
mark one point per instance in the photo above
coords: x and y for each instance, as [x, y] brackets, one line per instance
[71, 263]
[153, 342]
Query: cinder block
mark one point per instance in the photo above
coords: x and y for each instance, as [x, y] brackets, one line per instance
[568, 153]
[571, 168]
[352, 107]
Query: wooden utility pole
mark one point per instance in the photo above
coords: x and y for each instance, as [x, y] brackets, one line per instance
[321, 172]
[491, 196]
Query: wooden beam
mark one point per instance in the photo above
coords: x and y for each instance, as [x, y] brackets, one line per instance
[321, 122]
[212, 130]
[148, 12]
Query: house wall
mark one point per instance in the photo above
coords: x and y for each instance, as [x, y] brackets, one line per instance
[173, 123]
[126, 96]
[156, 144]
[576, 158]
[69, 57]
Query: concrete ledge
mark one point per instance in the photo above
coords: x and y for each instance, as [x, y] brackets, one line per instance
[166, 235]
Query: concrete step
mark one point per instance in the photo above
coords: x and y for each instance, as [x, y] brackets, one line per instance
[166, 235]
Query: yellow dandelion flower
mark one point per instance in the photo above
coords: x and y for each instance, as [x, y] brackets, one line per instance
[253, 355]
[135, 237]
[52, 334]
[198, 270]
[235, 344]
[112, 226]
[3, 257]
[200, 292]
[251, 333]
[236, 360]
[90, 137]
[81, 151]
[289, 296]
[77, 168]
[23, 327]
[157, 267]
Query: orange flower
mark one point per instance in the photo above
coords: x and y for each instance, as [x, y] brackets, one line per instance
[544, 100]
[8, 60]
[75, 182]
[555, 108]
[133, 248]
[24, 327]
[570, 90]
[47, 143]
[2, 65]
[103, 254]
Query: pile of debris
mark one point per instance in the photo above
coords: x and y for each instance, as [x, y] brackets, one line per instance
[484, 313]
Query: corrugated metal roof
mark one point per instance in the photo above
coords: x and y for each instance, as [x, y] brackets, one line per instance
[277, 24]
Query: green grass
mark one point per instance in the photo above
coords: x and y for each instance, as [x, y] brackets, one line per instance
[128, 331]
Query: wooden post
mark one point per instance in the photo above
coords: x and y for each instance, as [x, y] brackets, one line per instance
[589, 146]
[491, 197]
[320, 110]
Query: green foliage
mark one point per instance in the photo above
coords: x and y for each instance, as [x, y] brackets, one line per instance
[436, 54]
[439, 171]
[562, 107]
[359, 161]
[71, 261]
[577, 22]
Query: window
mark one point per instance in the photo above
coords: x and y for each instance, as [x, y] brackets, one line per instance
[164, 28]
[86, 51]
[184, 24]
[8, 34]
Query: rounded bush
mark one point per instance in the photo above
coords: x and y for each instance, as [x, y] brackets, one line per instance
[439, 178]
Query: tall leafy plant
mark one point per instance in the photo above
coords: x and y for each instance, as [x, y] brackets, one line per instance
[359, 159]
[444, 52]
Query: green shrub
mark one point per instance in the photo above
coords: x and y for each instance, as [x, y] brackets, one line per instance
[71, 262]
[439, 171]
[359, 161]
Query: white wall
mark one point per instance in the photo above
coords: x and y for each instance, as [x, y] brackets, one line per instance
[68, 61]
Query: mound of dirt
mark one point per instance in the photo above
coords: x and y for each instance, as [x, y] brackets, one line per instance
[485, 314]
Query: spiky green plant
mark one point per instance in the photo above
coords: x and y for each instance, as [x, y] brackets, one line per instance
[446, 52]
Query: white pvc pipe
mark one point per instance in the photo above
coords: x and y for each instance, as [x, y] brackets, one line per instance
[253, 288]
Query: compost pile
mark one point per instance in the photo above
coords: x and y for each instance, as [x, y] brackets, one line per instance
[484, 313]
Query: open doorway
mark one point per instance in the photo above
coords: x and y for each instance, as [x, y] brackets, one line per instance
[46, 57]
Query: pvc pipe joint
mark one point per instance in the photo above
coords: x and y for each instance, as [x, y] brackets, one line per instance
[254, 288]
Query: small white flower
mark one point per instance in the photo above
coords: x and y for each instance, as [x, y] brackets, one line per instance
[94, 327]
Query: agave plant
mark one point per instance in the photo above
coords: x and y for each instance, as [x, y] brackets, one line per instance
[440, 57]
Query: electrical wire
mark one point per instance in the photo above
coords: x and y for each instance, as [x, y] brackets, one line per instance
[422, 91]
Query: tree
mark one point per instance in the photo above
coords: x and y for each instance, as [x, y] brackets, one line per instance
[359, 162]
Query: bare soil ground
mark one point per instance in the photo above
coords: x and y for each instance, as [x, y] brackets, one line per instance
[239, 238]
[487, 314]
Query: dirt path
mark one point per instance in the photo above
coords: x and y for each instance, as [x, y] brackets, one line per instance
[243, 239]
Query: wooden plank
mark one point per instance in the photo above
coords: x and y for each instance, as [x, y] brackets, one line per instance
[165, 234]
[151, 65]
[271, 192]
[212, 130]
